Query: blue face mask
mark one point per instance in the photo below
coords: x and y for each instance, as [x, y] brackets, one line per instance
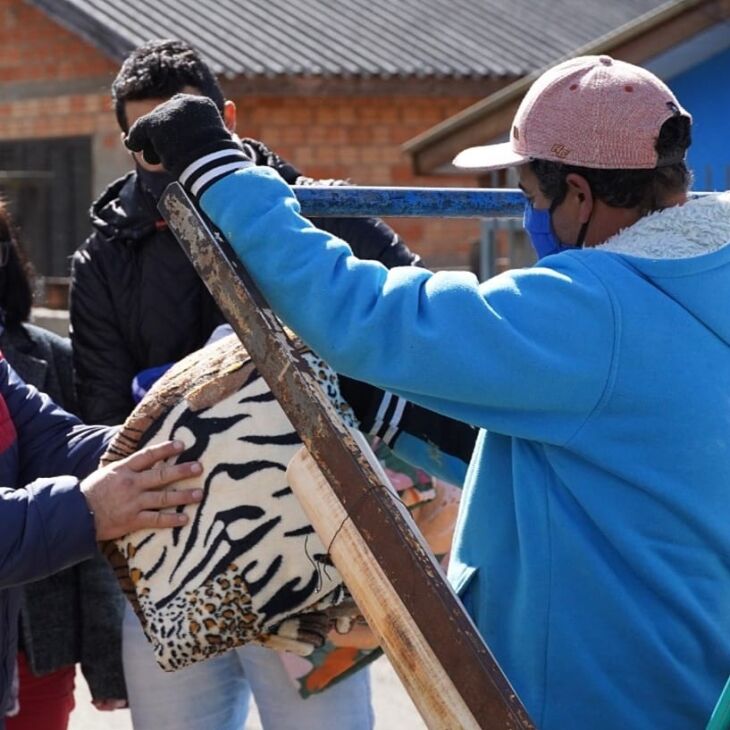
[539, 226]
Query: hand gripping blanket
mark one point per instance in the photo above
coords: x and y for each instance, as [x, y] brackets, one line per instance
[247, 567]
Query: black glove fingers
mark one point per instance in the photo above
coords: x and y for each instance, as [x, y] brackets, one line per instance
[188, 137]
[138, 141]
[150, 155]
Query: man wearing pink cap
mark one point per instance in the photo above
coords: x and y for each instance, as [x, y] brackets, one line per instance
[592, 544]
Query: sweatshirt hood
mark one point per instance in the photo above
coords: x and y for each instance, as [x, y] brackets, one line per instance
[684, 251]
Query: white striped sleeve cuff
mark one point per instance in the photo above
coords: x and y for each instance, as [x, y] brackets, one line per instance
[387, 420]
[198, 176]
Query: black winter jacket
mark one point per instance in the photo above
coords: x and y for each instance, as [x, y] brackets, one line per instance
[137, 302]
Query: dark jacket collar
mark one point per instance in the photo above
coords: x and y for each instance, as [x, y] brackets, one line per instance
[125, 212]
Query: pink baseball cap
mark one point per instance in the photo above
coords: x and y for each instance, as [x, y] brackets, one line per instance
[590, 111]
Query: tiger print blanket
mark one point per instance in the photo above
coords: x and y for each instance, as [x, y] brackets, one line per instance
[248, 561]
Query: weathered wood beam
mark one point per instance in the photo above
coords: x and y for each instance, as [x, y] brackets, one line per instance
[432, 624]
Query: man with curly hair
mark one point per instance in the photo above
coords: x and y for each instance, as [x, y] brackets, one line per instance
[137, 305]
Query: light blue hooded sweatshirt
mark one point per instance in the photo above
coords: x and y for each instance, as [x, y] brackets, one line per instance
[593, 542]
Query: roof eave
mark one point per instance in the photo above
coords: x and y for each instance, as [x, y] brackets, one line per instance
[487, 120]
[100, 36]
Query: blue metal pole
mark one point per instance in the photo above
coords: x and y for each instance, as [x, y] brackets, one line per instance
[358, 202]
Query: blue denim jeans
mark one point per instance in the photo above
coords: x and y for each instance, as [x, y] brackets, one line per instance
[215, 694]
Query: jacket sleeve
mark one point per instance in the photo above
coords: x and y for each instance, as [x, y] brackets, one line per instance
[46, 525]
[475, 352]
[103, 367]
[369, 238]
[437, 444]
[50, 440]
[102, 609]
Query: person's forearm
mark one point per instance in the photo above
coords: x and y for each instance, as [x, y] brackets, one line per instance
[46, 527]
[475, 352]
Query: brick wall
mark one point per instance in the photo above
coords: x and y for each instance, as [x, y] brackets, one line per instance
[359, 138]
[53, 83]
[34, 48]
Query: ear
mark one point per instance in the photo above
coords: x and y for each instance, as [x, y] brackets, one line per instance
[229, 115]
[579, 188]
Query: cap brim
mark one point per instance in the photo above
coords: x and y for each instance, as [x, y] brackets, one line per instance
[489, 157]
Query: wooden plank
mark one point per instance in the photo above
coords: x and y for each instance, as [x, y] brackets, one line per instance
[440, 704]
[433, 629]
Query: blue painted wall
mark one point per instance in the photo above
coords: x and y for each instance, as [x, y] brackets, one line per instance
[704, 91]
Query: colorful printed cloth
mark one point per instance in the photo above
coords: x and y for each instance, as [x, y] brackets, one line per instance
[433, 504]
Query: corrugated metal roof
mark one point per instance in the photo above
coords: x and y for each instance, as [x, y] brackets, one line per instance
[365, 38]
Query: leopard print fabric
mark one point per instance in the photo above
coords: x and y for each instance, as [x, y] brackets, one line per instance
[248, 561]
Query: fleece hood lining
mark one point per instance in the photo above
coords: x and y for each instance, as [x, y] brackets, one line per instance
[700, 226]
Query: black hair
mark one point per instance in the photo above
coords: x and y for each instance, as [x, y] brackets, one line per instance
[16, 274]
[647, 190]
[160, 69]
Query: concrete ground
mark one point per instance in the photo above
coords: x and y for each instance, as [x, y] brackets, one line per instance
[392, 705]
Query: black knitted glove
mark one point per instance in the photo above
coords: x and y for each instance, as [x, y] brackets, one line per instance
[187, 135]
